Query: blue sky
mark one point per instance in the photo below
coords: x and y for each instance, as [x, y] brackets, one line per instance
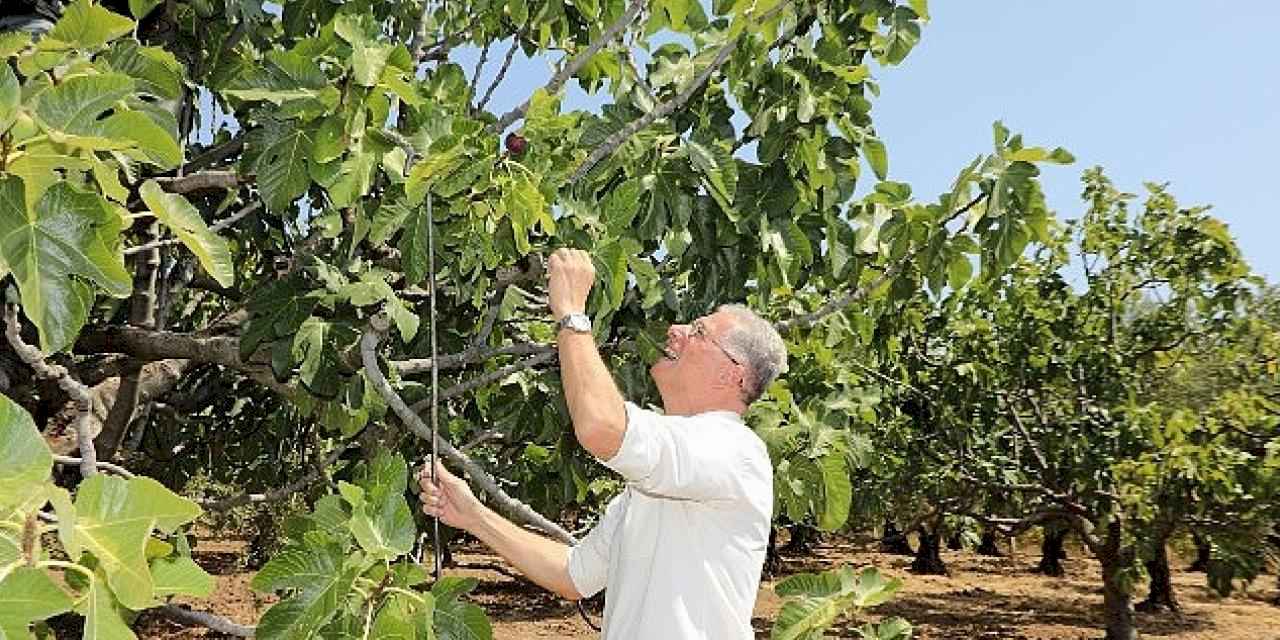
[1184, 92]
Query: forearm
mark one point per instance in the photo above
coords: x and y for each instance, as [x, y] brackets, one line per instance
[541, 560]
[595, 404]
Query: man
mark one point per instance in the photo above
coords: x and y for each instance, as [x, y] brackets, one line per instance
[681, 548]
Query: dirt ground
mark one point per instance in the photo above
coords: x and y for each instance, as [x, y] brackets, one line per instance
[984, 598]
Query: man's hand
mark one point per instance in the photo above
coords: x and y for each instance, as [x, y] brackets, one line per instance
[570, 275]
[450, 499]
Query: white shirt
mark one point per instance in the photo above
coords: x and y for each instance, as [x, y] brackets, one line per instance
[681, 548]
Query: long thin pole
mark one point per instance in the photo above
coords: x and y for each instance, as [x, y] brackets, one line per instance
[435, 373]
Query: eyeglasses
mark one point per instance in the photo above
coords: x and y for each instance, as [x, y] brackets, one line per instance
[698, 329]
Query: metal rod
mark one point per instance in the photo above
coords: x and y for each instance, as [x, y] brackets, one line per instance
[435, 373]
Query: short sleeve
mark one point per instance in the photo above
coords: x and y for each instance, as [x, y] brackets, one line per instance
[589, 559]
[675, 457]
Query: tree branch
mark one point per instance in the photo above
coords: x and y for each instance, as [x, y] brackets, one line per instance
[473, 355]
[215, 228]
[113, 468]
[508, 506]
[274, 495]
[78, 392]
[201, 181]
[208, 620]
[1022, 431]
[576, 64]
[502, 72]
[493, 376]
[214, 155]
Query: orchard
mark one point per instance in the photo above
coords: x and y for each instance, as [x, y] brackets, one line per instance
[255, 254]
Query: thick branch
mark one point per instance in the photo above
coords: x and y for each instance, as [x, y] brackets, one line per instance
[576, 64]
[215, 155]
[202, 181]
[166, 345]
[508, 506]
[78, 392]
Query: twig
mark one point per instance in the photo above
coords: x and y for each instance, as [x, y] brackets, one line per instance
[502, 72]
[429, 49]
[108, 466]
[78, 392]
[475, 76]
[208, 620]
[1022, 430]
[574, 65]
[217, 226]
[508, 506]
[491, 377]
[282, 492]
[473, 355]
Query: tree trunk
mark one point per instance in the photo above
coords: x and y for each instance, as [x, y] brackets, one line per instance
[772, 561]
[802, 539]
[1052, 552]
[894, 541]
[929, 554]
[988, 546]
[1161, 595]
[955, 541]
[1117, 602]
[1204, 552]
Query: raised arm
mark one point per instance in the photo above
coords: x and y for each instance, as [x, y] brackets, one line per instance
[595, 404]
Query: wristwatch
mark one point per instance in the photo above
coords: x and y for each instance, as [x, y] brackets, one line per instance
[575, 322]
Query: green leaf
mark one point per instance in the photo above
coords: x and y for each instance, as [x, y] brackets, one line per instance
[314, 347]
[877, 157]
[46, 247]
[71, 111]
[368, 56]
[321, 584]
[719, 170]
[180, 575]
[611, 263]
[27, 595]
[102, 619]
[406, 320]
[387, 532]
[155, 71]
[157, 145]
[140, 8]
[12, 42]
[10, 94]
[413, 247]
[85, 25]
[621, 205]
[114, 520]
[279, 152]
[175, 212]
[837, 490]
[25, 459]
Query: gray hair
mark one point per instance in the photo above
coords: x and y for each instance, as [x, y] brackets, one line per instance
[754, 339]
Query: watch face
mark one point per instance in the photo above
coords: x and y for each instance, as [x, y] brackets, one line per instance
[577, 322]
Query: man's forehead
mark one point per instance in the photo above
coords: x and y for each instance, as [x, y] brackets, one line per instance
[717, 321]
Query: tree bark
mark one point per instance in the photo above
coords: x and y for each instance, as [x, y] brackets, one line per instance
[1117, 602]
[1204, 551]
[988, 546]
[929, 554]
[1161, 594]
[1052, 552]
[802, 539]
[955, 541]
[894, 541]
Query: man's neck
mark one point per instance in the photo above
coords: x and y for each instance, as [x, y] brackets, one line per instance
[696, 408]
